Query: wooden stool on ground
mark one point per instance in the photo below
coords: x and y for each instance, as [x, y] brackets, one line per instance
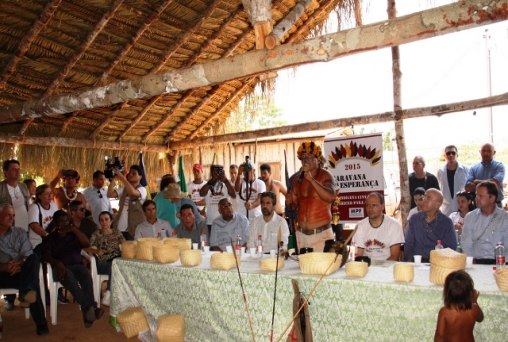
[170, 328]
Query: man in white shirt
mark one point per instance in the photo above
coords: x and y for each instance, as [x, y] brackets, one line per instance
[249, 188]
[269, 226]
[196, 185]
[152, 226]
[378, 236]
[452, 179]
[97, 196]
[15, 193]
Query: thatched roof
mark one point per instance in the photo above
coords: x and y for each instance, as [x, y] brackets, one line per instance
[51, 47]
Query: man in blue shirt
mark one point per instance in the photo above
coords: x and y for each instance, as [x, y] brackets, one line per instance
[228, 226]
[485, 226]
[487, 169]
[428, 226]
[19, 267]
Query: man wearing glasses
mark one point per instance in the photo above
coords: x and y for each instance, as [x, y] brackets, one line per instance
[452, 179]
[97, 196]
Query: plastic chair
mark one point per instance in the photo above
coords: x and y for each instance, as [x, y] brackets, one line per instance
[41, 286]
[53, 287]
[97, 278]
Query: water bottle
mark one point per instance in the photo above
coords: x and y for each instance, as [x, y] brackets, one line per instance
[459, 247]
[499, 252]
[259, 246]
[439, 245]
[162, 234]
[202, 240]
[238, 246]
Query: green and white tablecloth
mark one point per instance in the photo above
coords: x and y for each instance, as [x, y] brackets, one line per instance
[374, 308]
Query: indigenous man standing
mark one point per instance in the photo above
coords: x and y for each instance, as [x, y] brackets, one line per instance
[312, 194]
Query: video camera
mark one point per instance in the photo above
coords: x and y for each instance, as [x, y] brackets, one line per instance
[117, 163]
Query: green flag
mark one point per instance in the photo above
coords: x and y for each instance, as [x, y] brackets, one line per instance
[181, 175]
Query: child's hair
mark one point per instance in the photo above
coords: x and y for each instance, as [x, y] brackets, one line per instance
[458, 291]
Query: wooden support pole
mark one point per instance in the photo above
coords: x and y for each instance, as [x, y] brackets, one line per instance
[430, 23]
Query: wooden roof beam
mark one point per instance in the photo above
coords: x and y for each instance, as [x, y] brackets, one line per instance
[187, 119]
[149, 21]
[226, 103]
[106, 121]
[416, 26]
[274, 38]
[140, 116]
[27, 40]
[438, 110]
[175, 46]
[9, 138]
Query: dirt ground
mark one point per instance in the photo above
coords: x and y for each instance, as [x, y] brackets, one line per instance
[69, 327]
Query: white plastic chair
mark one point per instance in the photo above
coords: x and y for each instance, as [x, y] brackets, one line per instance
[41, 286]
[97, 278]
[53, 287]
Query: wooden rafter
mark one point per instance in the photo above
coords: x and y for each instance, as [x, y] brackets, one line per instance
[175, 108]
[140, 116]
[27, 40]
[234, 97]
[286, 23]
[107, 120]
[196, 111]
[416, 26]
[304, 29]
[176, 45]
[419, 112]
[149, 21]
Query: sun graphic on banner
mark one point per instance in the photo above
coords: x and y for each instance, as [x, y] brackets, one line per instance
[353, 150]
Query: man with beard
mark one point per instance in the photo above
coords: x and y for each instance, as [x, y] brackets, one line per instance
[270, 227]
[312, 194]
[274, 186]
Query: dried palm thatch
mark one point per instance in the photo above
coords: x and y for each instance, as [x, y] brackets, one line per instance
[51, 47]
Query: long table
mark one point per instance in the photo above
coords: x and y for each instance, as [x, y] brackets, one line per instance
[374, 308]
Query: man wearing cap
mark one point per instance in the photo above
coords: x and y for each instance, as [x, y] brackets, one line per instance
[69, 192]
[97, 196]
[452, 179]
[196, 185]
[312, 194]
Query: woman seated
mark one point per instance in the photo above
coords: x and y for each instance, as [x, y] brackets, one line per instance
[105, 246]
[465, 205]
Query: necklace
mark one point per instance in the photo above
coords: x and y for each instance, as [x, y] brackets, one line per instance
[379, 225]
[73, 196]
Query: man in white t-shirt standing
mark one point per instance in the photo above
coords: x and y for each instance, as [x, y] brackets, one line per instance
[378, 236]
[249, 189]
[15, 193]
[129, 214]
[196, 185]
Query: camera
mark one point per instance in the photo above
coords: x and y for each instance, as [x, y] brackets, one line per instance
[116, 163]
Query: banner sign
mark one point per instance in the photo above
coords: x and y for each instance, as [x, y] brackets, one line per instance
[356, 163]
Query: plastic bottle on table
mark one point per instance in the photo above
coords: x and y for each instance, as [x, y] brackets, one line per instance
[259, 246]
[202, 240]
[163, 234]
[238, 245]
[500, 257]
[439, 245]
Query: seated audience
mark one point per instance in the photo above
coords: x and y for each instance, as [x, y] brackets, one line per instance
[485, 226]
[428, 226]
[418, 196]
[378, 236]
[464, 205]
[62, 249]
[227, 227]
[105, 246]
[271, 227]
[77, 214]
[188, 227]
[152, 226]
[19, 267]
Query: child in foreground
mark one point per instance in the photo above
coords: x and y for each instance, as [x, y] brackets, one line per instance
[457, 318]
